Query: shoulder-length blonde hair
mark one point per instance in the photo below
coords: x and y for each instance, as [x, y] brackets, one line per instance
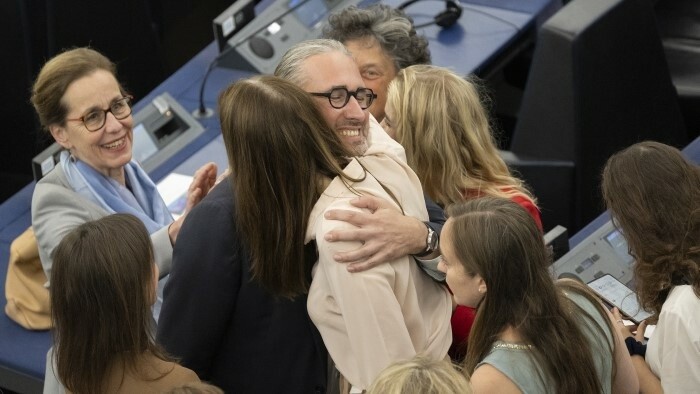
[442, 124]
[653, 194]
[421, 375]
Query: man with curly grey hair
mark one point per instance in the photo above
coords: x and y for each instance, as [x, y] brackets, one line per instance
[382, 41]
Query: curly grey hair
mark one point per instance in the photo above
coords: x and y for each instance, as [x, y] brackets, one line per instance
[391, 27]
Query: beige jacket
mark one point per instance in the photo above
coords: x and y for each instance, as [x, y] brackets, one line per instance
[392, 312]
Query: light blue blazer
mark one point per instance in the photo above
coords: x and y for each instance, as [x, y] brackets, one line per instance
[57, 209]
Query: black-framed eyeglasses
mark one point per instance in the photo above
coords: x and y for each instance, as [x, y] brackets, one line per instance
[339, 97]
[94, 120]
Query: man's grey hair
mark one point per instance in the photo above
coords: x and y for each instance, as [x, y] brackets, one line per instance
[391, 27]
[291, 65]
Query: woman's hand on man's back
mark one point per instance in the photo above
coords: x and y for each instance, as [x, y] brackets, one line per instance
[203, 181]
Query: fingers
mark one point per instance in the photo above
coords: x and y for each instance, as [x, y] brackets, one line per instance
[208, 176]
[202, 181]
[353, 217]
[619, 324]
[371, 203]
[616, 314]
[223, 175]
[364, 266]
[626, 331]
[639, 335]
[365, 254]
[193, 197]
[174, 229]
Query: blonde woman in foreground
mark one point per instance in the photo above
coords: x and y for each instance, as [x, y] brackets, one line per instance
[420, 375]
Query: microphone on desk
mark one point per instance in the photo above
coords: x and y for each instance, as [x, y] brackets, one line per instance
[241, 13]
[204, 112]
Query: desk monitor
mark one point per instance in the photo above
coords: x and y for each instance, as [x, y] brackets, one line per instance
[603, 252]
[161, 129]
[260, 45]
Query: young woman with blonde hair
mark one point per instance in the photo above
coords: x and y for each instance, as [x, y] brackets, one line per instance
[421, 375]
[440, 120]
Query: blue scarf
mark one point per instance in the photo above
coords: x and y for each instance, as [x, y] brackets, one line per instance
[142, 201]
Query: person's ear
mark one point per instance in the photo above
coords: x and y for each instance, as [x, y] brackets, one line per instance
[60, 134]
[482, 286]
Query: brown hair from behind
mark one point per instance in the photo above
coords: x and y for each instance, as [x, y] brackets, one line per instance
[55, 77]
[653, 194]
[421, 375]
[279, 147]
[102, 288]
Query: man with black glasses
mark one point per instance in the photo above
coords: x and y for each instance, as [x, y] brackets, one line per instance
[357, 311]
[325, 68]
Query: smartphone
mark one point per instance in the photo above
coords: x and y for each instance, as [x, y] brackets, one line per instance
[617, 294]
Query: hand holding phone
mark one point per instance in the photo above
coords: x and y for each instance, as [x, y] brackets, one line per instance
[617, 294]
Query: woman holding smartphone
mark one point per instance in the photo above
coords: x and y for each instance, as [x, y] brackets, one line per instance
[653, 194]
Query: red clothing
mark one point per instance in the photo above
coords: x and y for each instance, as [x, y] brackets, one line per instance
[518, 199]
[462, 321]
[530, 208]
[463, 316]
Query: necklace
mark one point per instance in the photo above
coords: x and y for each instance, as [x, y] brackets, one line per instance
[511, 346]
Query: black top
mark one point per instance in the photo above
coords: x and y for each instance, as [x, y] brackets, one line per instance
[435, 214]
[222, 324]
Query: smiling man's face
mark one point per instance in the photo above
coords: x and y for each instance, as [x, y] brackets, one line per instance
[335, 69]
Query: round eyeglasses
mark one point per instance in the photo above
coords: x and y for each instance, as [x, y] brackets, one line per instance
[94, 120]
[339, 97]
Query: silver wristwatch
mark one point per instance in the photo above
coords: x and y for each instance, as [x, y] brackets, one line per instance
[432, 242]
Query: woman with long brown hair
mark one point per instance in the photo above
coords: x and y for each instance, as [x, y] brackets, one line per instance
[530, 334]
[653, 194]
[103, 285]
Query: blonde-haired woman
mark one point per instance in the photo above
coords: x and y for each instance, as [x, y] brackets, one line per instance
[421, 375]
[439, 119]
